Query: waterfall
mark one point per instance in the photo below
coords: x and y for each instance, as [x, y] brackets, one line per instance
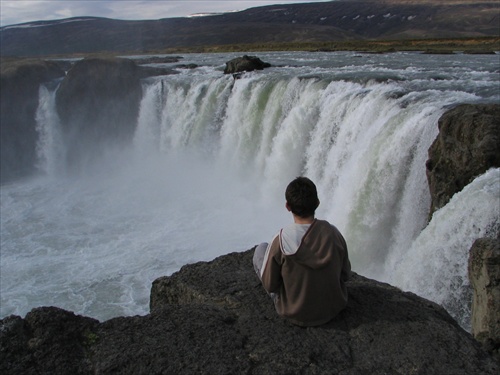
[174, 115]
[50, 147]
[364, 144]
[435, 265]
[206, 171]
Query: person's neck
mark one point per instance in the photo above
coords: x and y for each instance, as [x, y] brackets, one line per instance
[303, 220]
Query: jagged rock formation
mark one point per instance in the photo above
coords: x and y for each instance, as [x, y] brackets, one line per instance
[245, 64]
[468, 144]
[19, 86]
[214, 317]
[484, 274]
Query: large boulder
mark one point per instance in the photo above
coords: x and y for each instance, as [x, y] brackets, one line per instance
[20, 81]
[245, 64]
[484, 275]
[468, 145]
[215, 318]
[98, 104]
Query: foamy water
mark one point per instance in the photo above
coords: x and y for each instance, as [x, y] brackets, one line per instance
[206, 171]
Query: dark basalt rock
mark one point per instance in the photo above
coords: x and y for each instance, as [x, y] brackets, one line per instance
[152, 71]
[157, 60]
[438, 52]
[484, 275]
[468, 145]
[186, 66]
[215, 318]
[245, 64]
[48, 341]
[479, 52]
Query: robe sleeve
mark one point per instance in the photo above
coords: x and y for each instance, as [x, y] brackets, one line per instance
[271, 275]
[346, 265]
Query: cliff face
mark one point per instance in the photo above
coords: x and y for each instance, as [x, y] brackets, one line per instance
[468, 144]
[484, 275]
[214, 317]
[19, 88]
[97, 101]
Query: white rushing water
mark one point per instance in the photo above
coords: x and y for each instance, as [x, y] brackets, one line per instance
[206, 173]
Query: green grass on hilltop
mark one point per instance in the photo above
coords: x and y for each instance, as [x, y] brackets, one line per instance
[469, 45]
[444, 45]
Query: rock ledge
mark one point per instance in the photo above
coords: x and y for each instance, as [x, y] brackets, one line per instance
[214, 317]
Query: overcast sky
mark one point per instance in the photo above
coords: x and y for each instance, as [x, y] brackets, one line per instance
[20, 11]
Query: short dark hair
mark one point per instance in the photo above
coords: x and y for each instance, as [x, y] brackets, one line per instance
[302, 197]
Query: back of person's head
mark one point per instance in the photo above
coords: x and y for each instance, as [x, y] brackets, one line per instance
[302, 197]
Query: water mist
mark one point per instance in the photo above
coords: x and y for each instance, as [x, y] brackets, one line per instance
[205, 173]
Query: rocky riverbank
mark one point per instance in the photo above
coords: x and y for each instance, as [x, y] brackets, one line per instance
[215, 318]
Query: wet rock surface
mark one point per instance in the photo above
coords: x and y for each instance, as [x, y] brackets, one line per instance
[468, 144]
[484, 275]
[245, 64]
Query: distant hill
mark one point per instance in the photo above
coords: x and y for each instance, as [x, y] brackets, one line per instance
[294, 23]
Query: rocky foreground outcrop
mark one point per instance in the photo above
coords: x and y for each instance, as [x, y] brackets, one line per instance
[215, 318]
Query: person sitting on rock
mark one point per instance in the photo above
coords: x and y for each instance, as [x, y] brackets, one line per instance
[306, 265]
